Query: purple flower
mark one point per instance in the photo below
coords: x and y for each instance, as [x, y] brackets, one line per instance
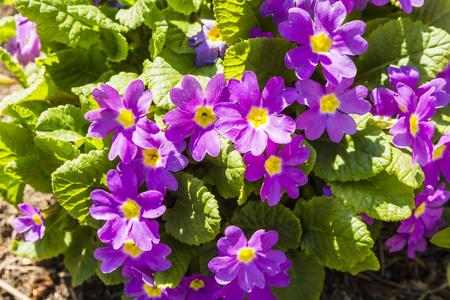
[143, 287]
[252, 263]
[33, 221]
[279, 169]
[195, 115]
[414, 128]
[155, 159]
[198, 287]
[384, 99]
[328, 109]
[446, 76]
[26, 43]
[323, 40]
[361, 4]
[126, 116]
[209, 40]
[256, 119]
[126, 212]
[279, 9]
[255, 32]
[130, 256]
[439, 161]
[407, 5]
[309, 5]
[424, 221]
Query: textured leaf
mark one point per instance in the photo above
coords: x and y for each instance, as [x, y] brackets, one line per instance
[74, 181]
[194, 219]
[246, 189]
[370, 263]
[442, 119]
[185, 6]
[442, 238]
[11, 189]
[307, 277]
[53, 152]
[308, 165]
[263, 56]
[167, 71]
[257, 215]
[179, 31]
[434, 13]
[14, 142]
[114, 45]
[13, 66]
[93, 16]
[134, 16]
[333, 233]
[355, 157]
[113, 278]
[403, 42]
[22, 115]
[7, 28]
[159, 26]
[400, 165]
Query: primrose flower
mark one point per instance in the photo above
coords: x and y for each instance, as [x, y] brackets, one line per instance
[328, 109]
[279, 9]
[126, 116]
[361, 4]
[446, 76]
[252, 263]
[323, 40]
[425, 221]
[384, 99]
[209, 41]
[33, 221]
[256, 119]
[414, 128]
[440, 161]
[195, 115]
[26, 43]
[407, 5]
[279, 169]
[157, 156]
[255, 32]
[199, 287]
[126, 212]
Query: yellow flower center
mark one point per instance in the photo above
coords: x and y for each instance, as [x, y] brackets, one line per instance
[152, 291]
[151, 156]
[126, 118]
[131, 209]
[328, 104]
[37, 219]
[419, 210]
[131, 248]
[320, 43]
[438, 152]
[402, 108]
[246, 254]
[214, 34]
[413, 126]
[197, 284]
[273, 165]
[257, 116]
[204, 116]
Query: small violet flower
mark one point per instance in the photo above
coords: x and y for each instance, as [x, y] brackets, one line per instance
[361, 4]
[425, 221]
[195, 115]
[208, 41]
[440, 161]
[199, 287]
[252, 263]
[33, 221]
[323, 40]
[126, 116]
[279, 169]
[26, 43]
[256, 119]
[446, 76]
[328, 109]
[126, 212]
[407, 5]
[255, 32]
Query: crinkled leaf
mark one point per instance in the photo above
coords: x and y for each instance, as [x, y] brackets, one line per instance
[403, 42]
[355, 157]
[194, 219]
[93, 16]
[370, 263]
[246, 189]
[134, 16]
[22, 115]
[159, 26]
[167, 71]
[14, 142]
[179, 31]
[7, 28]
[434, 13]
[53, 152]
[114, 44]
[442, 238]
[308, 165]
[74, 181]
[185, 6]
[400, 166]
[262, 56]
[333, 233]
[11, 189]
[442, 119]
[257, 215]
[307, 277]
[14, 67]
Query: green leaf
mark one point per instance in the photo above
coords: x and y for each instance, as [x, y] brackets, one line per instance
[14, 142]
[333, 233]
[185, 6]
[113, 44]
[442, 119]
[65, 123]
[93, 16]
[246, 189]
[53, 152]
[22, 115]
[434, 13]
[400, 166]
[194, 219]
[308, 165]
[53, 20]
[307, 277]
[442, 238]
[113, 278]
[159, 26]
[180, 257]
[75, 67]
[382, 197]
[134, 16]
[74, 181]
[54, 242]
[11, 189]
[226, 171]
[79, 257]
[257, 215]
[403, 42]
[355, 157]
[370, 263]
[167, 71]
[254, 55]
[179, 31]
[7, 28]
[13, 66]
